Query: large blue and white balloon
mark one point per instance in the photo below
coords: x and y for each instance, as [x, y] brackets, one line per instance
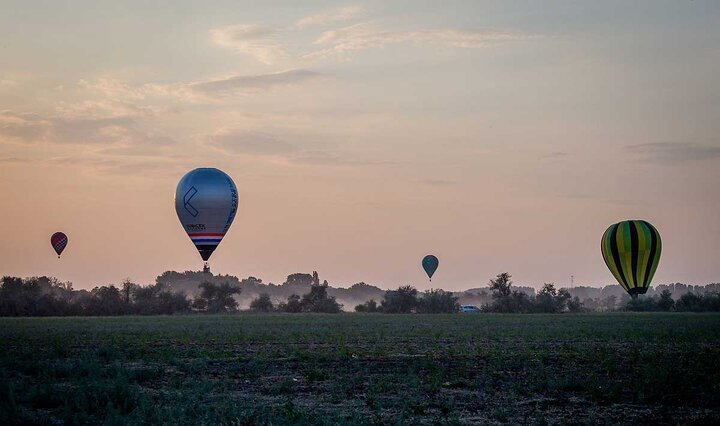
[206, 201]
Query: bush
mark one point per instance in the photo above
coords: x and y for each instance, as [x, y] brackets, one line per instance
[504, 301]
[262, 303]
[666, 302]
[574, 305]
[219, 297]
[550, 300]
[293, 304]
[437, 302]
[691, 302]
[319, 301]
[369, 307]
[400, 301]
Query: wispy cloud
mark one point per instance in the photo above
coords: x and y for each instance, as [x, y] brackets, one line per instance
[255, 82]
[255, 40]
[266, 144]
[270, 44]
[30, 128]
[364, 36]
[329, 158]
[674, 152]
[329, 17]
[238, 141]
[438, 182]
[101, 163]
[13, 160]
[22, 126]
[557, 155]
[109, 97]
[7, 83]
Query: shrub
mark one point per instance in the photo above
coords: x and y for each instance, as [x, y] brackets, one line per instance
[319, 301]
[437, 301]
[400, 301]
[262, 303]
[219, 297]
[293, 304]
[369, 306]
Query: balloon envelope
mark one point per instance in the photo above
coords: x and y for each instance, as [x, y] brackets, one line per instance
[430, 264]
[59, 241]
[206, 201]
[631, 250]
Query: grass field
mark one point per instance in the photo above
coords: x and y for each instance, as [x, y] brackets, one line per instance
[352, 368]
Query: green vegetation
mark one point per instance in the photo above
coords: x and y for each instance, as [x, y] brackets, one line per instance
[650, 368]
[182, 293]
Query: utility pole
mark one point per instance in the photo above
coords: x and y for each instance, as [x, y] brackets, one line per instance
[572, 281]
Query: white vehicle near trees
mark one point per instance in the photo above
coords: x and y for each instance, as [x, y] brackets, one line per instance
[469, 309]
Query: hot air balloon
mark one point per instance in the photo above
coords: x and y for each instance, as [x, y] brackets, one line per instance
[430, 264]
[631, 250]
[59, 242]
[206, 201]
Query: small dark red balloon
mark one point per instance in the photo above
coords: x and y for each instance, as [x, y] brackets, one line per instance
[59, 241]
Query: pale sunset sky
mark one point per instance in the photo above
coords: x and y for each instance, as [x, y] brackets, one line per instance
[497, 135]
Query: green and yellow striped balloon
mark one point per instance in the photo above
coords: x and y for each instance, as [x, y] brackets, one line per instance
[631, 250]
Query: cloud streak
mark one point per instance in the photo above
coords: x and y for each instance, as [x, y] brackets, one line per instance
[674, 152]
[268, 44]
[121, 130]
[254, 40]
[328, 17]
[255, 82]
[237, 141]
[365, 36]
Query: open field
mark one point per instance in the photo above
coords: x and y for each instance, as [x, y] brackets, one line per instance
[352, 368]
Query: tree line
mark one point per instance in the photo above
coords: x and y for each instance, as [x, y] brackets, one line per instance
[44, 296]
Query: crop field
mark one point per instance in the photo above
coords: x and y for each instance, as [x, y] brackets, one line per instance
[362, 369]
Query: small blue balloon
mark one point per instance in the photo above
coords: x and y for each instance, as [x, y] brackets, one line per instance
[430, 264]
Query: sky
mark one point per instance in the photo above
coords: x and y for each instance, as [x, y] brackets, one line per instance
[499, 136]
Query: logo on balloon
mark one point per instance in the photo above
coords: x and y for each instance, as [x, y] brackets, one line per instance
[186, 201]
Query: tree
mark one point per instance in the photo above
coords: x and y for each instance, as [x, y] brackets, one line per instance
[127, 290]
[299, 279]
[505, 300]
[368, 307]
[545, 300]
[107, 300]
[219, 297]
[145, 299]
[199, 304]
[293, 304]
[437, 301]
[519, 302]
[690, 302]
[169, 303]
[666, 302]
[400, 301]
[574, 305]
[609, 303]
[642, 303]
[319, 301]
[501, 285]
[262, 303]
